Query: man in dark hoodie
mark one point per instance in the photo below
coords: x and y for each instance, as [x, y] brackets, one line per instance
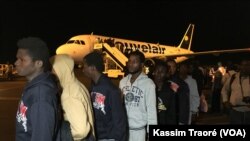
[37, 114]
[164, 92]
[179, 113]
[109, 113]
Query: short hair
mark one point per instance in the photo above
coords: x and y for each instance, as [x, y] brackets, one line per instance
[37, 49]
[185, 63]
[95, 59]
[171, 60]
[139, 54]
[161, 63]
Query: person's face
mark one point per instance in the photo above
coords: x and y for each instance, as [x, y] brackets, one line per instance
[25, 66]
[172, 68]
[87, 69]
[183, 69]
[134, 65]
[160, 73]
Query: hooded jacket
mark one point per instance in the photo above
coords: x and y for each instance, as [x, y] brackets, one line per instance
[75, 98]
[110, 117]
[180, 102]
[140, 101]
[36, 118]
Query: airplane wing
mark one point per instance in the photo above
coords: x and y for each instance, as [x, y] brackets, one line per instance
[213, 52]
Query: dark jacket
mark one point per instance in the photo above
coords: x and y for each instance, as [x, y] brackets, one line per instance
[110, 117]
[36, 118]
[164, 98]
[178, 106]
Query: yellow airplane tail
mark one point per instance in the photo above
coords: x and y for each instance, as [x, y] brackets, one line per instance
[187, 38]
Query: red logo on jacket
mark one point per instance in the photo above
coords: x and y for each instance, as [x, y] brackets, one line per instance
[99, 102]
[21, 115]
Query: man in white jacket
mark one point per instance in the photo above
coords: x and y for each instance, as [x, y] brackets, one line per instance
[139, 96]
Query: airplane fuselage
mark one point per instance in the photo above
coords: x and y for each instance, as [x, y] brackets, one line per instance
[150, 50]
[79, 46]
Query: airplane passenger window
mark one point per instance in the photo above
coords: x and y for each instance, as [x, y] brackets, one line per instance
[70, 41]
[82, 42]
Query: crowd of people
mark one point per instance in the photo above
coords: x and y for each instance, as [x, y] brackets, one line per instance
[54, 99]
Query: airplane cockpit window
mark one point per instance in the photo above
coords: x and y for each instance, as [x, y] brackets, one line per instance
[82, 42]
[77, 41]
[70, 41]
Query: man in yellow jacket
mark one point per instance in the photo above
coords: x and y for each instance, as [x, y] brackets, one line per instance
[75, 98]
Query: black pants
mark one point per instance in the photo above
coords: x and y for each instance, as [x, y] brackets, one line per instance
[215, 104]
[237, 117]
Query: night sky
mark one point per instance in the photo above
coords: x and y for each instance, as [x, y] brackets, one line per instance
[218, 25]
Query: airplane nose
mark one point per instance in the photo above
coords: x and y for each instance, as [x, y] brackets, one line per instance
[61, 50]
[64, 49]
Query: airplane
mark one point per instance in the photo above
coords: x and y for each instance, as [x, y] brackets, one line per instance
[79, 46]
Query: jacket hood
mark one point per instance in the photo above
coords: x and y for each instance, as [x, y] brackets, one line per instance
[63, 65]
[141, 76]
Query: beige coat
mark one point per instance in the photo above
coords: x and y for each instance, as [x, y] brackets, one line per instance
[75, 98]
